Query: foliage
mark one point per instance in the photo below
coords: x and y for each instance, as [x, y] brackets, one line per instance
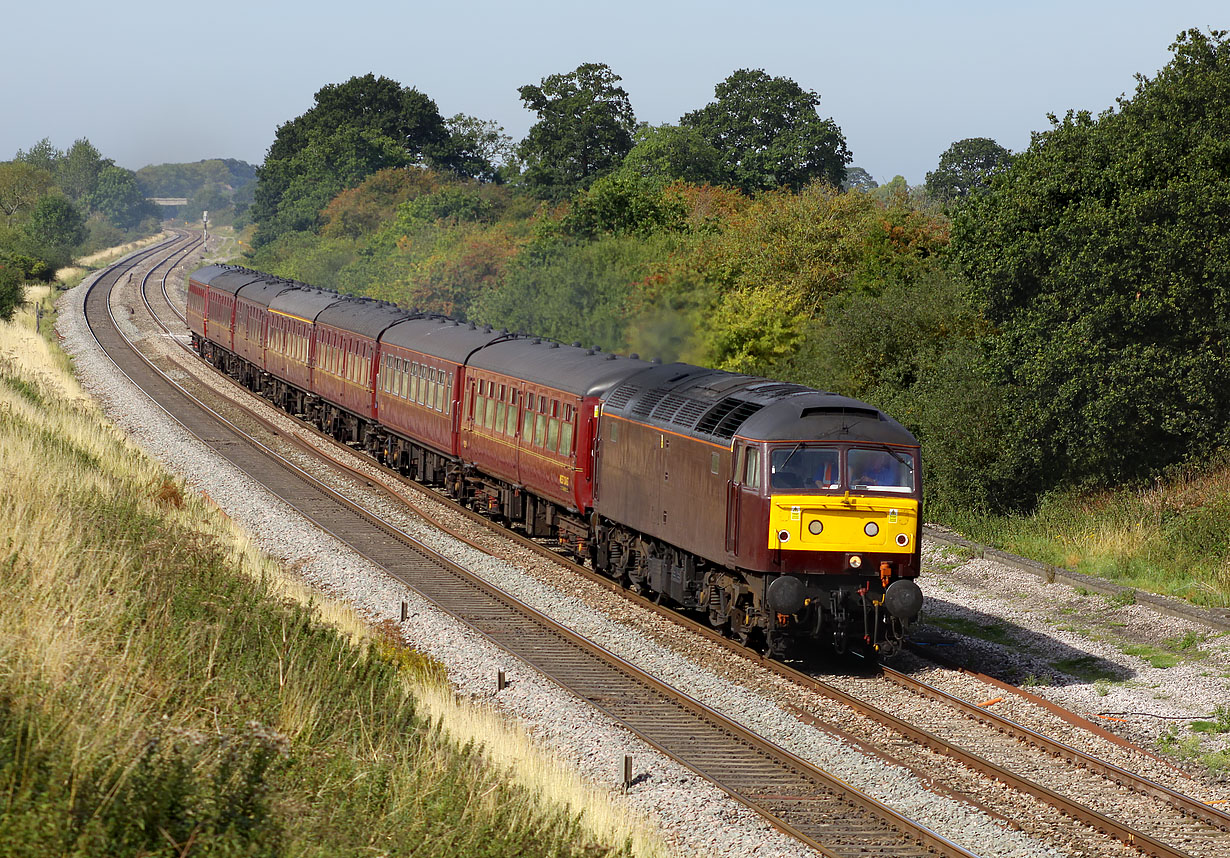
[12, 292]
[21, 185]
[1101, 260]
[354, 129]
[966, 167]
[624, 203]
[77, 171]
[482, 150]
[858, 179]
[769, 134]
[571, 291]
[672, 152]
[584, 130]
[185, 180]
[56, 224]
[42, 155]
[361, 210]
[117, 195]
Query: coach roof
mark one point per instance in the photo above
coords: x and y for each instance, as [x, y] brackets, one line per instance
[303, 303]
[583, 372]
[362, 316]
[264, 291]
[440, 337]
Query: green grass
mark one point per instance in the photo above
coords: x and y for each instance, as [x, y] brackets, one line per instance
[1169, 538]
[1090, 669]
[994, 632]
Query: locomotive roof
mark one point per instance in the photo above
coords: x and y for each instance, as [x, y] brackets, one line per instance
[715, 406]
[303, 303]
[263, 291]
[583, 372]
[362, 316]
[441, 337]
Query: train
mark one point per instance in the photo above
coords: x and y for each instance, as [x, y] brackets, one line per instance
[789, 517]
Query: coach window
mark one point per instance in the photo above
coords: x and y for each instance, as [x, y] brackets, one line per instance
[565, 436]
[553, 429]
[510, 425]
[501, 410]
[440, 390]
[540, 423]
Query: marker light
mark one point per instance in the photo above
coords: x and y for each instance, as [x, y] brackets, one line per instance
[903, 540]
[855, 561]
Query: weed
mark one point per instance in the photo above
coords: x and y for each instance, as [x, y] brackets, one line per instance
[1089, 668]
[994, 632]
[1122, 598]
[1157, 657]
[1190, 641]
[1035, 681]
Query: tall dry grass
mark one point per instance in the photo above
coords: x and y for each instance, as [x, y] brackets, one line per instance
[167, 689]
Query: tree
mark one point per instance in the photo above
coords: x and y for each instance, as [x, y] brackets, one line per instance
[673, 152]
[355, 129]
[584, 129]
[12, 292]
[21, 184]
[481, 148]
[117, 196]
[966, 167]
[1101, 259]
[42, 155]
[77, 172]
[56, 225]
[769, 133]
[858, 179]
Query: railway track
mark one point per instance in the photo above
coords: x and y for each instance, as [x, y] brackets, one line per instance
[797, 797]
[1179, 820]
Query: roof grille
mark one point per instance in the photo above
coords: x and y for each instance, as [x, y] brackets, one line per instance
[778, 391]
[619, 398]
[646, 403]
[724, 419]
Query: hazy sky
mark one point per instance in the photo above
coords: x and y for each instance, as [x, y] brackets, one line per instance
[157, 82]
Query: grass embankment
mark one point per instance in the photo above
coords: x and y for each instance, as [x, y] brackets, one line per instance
[1171, 538]
[165, 691]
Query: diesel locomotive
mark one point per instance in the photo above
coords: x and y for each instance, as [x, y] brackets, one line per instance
[788, 516]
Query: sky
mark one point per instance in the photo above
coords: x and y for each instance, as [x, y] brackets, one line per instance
[152, 83]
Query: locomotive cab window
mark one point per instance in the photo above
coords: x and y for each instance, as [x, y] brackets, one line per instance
[805, 467]
[751, 474]
[881, 470]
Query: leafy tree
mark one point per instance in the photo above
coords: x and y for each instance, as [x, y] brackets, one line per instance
[117, 195]
[362, 209]
[622, 203]
[1102, 259]
[42, 155]
[77, 172]
[481, 148]
[355, 129]
[12, 292]
[673, 152]
[769, 133]
[21, 184]
[57, 225]
[858, 179]
[584, 130]
[966, 167]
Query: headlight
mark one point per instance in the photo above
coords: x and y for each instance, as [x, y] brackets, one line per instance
[855, 561]
[871, 528]
[903, 540]
[816, 527]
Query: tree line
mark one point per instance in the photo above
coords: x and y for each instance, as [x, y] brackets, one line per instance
[56, 204]
[1041, 320]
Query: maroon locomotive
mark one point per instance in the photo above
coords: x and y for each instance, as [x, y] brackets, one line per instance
[784, 513]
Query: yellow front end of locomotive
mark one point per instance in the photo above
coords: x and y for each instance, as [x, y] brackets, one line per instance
[849, 523]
